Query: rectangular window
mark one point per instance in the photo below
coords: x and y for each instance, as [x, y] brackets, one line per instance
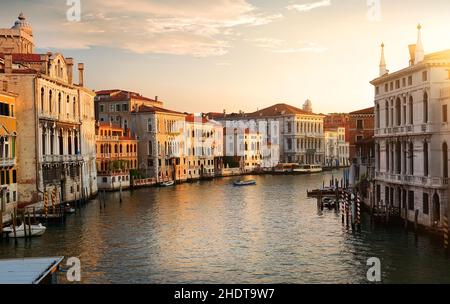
[111, 108]
[444, 113]
[14, 174]
[404, 82]
[359, 124]
[8, 181]
[118, 108]
[125, 107]
[397, 84]
[102, 109]
[386, 87]
[377, 90]
[410, 80]
[425, 76]
[2, 178]
[426, 207]
[411, 200]
[391, 86]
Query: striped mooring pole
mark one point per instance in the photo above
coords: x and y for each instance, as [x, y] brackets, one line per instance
[46, 203]
[358, 213]
[347, 209]
[342, 205]
[446, 232]
[54, 199]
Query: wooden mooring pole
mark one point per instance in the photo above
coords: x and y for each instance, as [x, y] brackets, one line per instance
[1, 225]
[358, 213]
[416, 220]
[14, 223]
[446, 233]
[24, 225]
[347, 198]
[29, 223]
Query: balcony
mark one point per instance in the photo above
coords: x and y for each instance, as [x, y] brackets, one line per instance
[411, 180]
[404, 130]
[7, 162]
[62, 158]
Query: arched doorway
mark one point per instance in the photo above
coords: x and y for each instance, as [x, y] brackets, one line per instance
[436, 210]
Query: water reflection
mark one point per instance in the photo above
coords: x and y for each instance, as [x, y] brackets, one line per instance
[212, 232]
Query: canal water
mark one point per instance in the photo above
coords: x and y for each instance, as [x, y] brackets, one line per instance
[212, 232]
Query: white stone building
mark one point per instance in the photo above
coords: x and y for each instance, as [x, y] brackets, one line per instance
[203, 148]
[337, 150]
[289, 134]
[412, 136]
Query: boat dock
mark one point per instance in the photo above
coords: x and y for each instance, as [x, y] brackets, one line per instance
[30, 270]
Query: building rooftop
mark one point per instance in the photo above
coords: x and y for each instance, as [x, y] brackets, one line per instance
[370, 110]
[154, 109]
[122, 95]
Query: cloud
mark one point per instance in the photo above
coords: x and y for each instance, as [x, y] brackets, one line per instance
[283, 47]
[309, 6]
[188, 27]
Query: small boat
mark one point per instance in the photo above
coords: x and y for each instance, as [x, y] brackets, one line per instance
[329, 202]
[36, 230]
[241, 183]
[167, 184]
[69, 210]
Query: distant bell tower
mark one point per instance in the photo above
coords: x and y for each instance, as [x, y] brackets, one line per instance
[17, 39]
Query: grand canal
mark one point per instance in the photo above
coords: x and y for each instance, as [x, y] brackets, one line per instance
[211, 232]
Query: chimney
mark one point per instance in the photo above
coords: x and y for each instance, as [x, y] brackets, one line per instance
[8, 64]
[412, 54]
[81, 74]
[69, 62]
[156, 98]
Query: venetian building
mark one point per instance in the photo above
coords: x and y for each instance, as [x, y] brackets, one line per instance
[56, 118]
[161, 143]
[412, 135]
[203, 146]
[8, 159]
[289, 134]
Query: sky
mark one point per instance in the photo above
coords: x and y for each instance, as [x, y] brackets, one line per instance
[215, 55]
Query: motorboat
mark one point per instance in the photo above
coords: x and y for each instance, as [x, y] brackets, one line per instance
[36, 230]
[241, 183]
[167, 184]
[308, 169]
[69, 209]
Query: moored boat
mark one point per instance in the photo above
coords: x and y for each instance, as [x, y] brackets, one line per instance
[308, 169]
[36, 230]
[241, 183]
[167, 184]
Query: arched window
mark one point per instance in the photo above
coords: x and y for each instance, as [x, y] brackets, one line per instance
[387, 114]
[69, 144]
[76, 144]
[150, 148]
[116, 149]
[52, 141]
[42, 99]
[425, 107]
[121, 148]
[59, 103]
[445, 160]
[425, 159]
[411, 110]
[50, 101]
[74, 108]
[61, 143]
[398, 111]
[411, 158]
